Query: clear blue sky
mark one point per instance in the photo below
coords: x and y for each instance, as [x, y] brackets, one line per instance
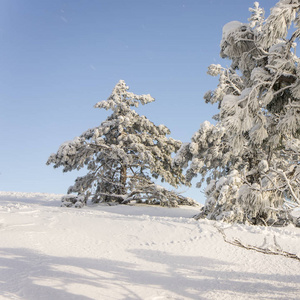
[58, 58]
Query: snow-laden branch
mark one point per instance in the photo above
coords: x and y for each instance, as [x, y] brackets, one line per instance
[283, 174]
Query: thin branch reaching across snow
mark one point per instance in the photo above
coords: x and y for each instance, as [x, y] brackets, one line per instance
[277, 251]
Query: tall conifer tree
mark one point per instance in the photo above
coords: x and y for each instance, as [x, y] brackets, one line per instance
[250, 157]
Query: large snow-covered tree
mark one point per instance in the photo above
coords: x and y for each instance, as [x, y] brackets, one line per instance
[250, 157]
[122, 156]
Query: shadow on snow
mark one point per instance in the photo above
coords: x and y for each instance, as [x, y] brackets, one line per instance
[27, 274]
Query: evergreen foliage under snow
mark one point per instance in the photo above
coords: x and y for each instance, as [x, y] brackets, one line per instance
[122, 156]
[250, 157]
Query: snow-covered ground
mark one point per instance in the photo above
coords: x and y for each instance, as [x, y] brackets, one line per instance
[136, 252]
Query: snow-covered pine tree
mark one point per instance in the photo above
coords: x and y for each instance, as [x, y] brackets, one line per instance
[251, 156]
[122, 155]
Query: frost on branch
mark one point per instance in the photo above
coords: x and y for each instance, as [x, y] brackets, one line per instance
[122, 156]
[257, 17]
[250, 157]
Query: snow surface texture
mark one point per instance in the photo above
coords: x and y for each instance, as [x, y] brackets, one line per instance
[136, 252]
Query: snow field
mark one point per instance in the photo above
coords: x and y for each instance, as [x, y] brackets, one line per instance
[135, 252]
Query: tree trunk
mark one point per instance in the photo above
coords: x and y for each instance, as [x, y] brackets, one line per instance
[123, 179]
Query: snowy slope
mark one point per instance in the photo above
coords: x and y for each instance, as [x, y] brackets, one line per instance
[135, 252]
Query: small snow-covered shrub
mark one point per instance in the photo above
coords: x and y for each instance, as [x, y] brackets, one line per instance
[69, 200]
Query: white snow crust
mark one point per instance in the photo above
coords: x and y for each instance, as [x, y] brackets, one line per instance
[135, 252]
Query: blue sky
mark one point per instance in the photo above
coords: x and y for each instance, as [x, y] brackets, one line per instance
[59, 58]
